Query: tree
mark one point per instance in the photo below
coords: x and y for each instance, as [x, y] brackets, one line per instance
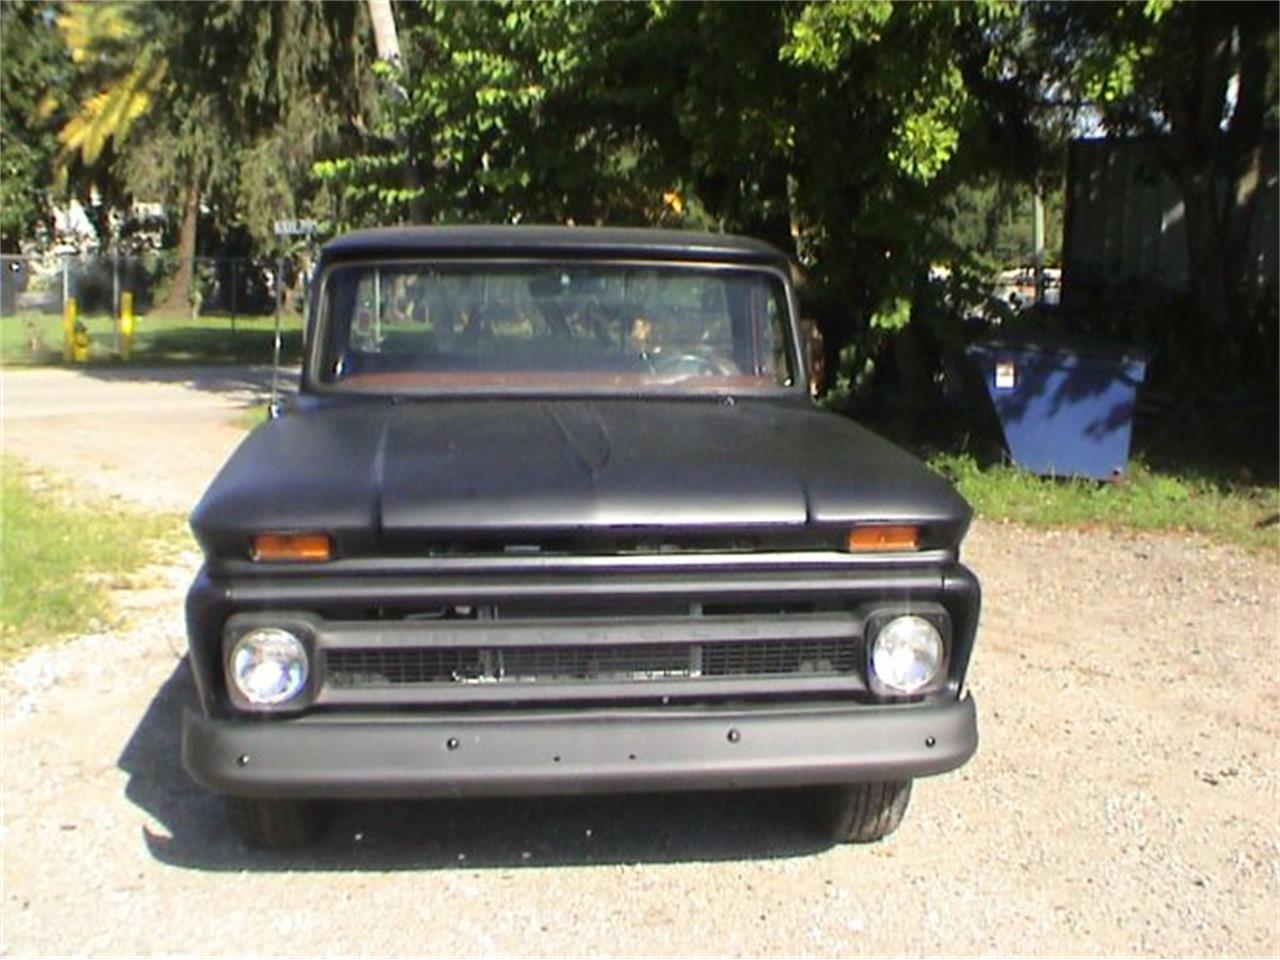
[221, 105]
[495, 122]
[306, 91]
[837, 129]
[33, 66]
[1201, 78]
[133, 99]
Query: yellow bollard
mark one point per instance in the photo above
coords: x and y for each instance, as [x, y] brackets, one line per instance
[68, 329]
[128, 323]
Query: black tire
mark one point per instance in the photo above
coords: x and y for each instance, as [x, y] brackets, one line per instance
[268, 824]
[862, 812]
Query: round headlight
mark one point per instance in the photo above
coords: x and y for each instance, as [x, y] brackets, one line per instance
[269, 666]
[907, 654]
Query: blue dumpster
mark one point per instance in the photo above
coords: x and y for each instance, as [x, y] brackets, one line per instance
[1066, 409]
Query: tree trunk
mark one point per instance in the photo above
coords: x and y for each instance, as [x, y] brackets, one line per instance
[385, 39]
[1219, 172]
[179, 299]
[1205, 250]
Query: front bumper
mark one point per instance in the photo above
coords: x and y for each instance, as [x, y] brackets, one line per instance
[580, 751]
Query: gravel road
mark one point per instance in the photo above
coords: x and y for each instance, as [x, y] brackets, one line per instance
[1123, 800]
[155, 437]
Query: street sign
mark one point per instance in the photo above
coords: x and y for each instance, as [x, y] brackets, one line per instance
[295, 228]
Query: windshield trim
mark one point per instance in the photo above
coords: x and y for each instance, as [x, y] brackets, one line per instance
[317, 336]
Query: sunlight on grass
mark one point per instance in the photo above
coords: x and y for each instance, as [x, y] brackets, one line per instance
[59, 558]
[35, 339]
[1144, 500]
[251, 417]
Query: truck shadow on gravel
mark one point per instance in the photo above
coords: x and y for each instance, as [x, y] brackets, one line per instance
[454, 835]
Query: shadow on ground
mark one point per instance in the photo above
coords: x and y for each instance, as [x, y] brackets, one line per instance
[254, 380]
[452, 835]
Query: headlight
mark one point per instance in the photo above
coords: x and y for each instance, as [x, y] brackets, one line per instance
[268, 666]
[906, 654]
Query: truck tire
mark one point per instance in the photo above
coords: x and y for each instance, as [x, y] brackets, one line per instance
[268, 824]
[862, 812]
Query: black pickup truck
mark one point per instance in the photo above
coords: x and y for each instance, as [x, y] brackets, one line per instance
[554, 512]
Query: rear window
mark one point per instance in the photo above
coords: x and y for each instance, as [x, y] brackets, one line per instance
[390, 327]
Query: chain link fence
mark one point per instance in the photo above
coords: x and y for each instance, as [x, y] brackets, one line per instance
[227, 315]
[220, 286]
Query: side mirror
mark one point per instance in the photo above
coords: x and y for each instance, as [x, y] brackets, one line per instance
[815, 356]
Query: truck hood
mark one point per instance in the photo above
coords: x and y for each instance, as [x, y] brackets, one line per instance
[375, 473]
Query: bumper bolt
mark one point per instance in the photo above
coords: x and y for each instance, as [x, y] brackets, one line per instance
[930, 741]
[734, 735]
[452, 743]
[242, 760]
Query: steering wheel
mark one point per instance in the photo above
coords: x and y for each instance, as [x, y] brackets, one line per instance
[691, 364]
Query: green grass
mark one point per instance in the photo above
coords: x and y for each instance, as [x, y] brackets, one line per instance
[35, 339]
[60, 558]
[1145, 500]
[250, 417]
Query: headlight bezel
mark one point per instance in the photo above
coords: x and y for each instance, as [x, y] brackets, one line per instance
[933, 614]
[241, 627]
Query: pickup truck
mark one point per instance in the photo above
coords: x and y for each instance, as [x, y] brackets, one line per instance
[553, 512]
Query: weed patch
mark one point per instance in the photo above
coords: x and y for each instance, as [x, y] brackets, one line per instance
[59, 559]
[1144, 500]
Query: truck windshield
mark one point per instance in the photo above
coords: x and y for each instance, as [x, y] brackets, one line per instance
[410, 327]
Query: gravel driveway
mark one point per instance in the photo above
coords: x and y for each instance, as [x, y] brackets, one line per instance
[1123, 800]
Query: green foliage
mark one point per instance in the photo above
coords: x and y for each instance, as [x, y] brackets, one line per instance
[825, 33]
[894, 316]
[500, 122]
[927, 93]
[33, 66]
[60, 556]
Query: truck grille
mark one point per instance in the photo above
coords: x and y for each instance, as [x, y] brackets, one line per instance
[423, 666]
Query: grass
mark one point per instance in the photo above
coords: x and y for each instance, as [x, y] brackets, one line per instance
[252, 416]
[35, 339]
[1146, 499]
[59, 559]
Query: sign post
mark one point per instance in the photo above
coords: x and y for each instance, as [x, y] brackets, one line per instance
[283, 229]
[295, 228]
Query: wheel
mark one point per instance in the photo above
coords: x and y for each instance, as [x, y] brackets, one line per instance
[268, 824]
[862, 812]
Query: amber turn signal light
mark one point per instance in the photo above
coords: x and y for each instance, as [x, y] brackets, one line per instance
[292, 547]
[886, 537]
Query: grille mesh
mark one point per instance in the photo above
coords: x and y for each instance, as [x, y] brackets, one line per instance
[420, 666]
